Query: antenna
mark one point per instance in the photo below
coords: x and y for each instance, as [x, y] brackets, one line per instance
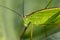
[23, 8]
[46, 7]
[11, 10]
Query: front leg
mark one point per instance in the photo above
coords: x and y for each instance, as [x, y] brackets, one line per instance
[21, 37]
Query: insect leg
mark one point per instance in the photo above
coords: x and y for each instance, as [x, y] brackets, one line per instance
[21, 37]
[31, 33]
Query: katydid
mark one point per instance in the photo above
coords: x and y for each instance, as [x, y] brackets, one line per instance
[38, 17]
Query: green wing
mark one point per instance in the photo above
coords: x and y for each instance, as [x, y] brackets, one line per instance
[40, 17]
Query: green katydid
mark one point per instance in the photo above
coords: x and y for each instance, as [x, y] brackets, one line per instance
[46, 16]
[38, 17]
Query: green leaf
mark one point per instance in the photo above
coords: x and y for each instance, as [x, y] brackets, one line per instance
[11, 24]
